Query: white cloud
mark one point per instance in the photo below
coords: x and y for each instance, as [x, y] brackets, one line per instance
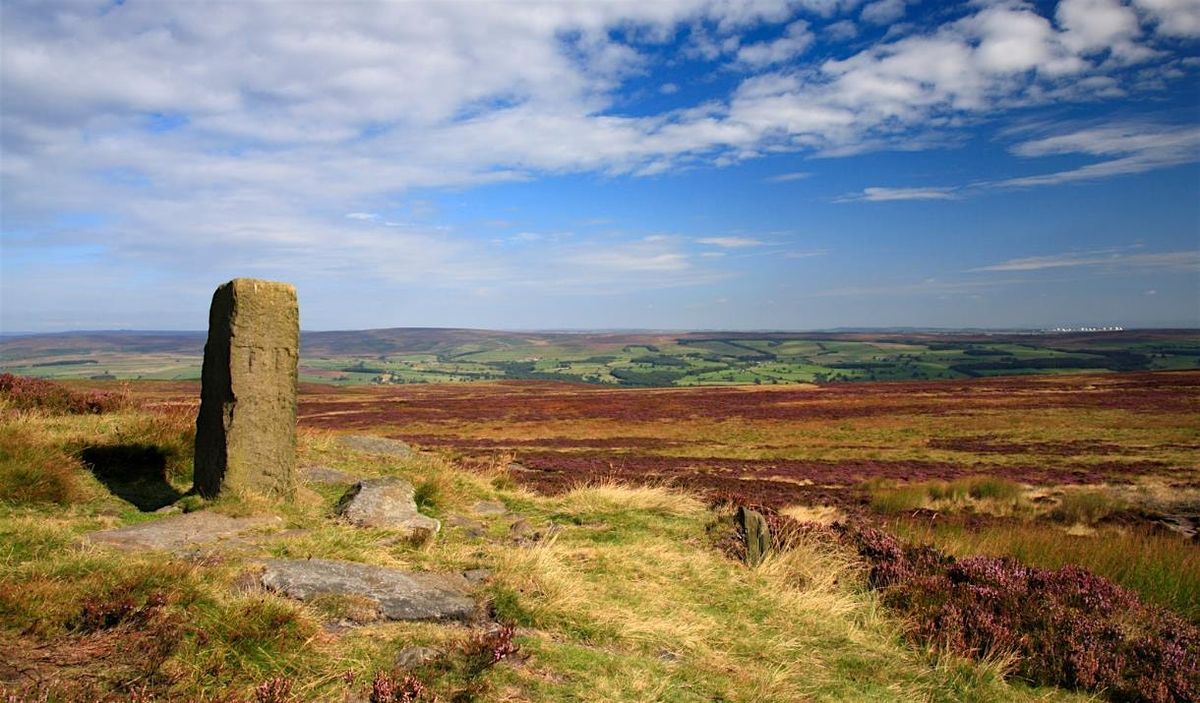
[842, 30]
[1175, 18]
[1137, 147]
[1175, 260]
[788, 177]
[878, 194]
[361, 216]
[1102, 25]
[795, 40]
[730, 242]
[1126, 148]
[883, 11]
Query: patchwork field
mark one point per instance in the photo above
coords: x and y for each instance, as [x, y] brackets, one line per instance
[642, 359]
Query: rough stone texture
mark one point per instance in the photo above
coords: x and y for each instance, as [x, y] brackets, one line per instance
[472, 528]
[755, 532]
[369, 444]
[183, 533]
[246, 429]
[325, 474]
[385, 502]
[400, 595]
[489, 507]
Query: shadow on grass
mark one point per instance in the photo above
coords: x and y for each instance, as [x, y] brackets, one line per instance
[133, 472]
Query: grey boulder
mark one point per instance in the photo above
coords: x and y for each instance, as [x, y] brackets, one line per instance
[398, 594]
[386, 503]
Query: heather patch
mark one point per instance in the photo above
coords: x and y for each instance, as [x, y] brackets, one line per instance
[36, 394]
[1065, 627]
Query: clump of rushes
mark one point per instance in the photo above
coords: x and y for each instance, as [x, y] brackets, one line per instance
[984, 493]
[25, 393]
[1066, 627]
[1086, 507]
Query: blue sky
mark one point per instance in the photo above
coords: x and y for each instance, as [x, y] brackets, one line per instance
[670, 164]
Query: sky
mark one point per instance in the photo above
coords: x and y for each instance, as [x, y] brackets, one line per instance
[664, 164]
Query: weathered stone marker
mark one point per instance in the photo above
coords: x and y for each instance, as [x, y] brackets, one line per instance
[755, 532]
[246, 429]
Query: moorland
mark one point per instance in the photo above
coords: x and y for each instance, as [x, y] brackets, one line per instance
[996, 539]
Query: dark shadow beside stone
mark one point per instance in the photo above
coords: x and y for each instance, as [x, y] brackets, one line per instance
[133, 472]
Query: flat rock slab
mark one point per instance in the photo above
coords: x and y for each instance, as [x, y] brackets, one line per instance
[376, 445]
[387, 503]
[400, 595]
[182, 533]
[325, 474]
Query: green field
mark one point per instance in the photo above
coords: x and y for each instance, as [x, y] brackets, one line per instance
[626, 359]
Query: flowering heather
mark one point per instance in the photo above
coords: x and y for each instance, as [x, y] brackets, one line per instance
[1067, 627]
[386, 688]
[34, 393]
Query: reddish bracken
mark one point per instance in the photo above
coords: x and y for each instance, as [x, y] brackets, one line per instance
[35, 393]
[1067, 627]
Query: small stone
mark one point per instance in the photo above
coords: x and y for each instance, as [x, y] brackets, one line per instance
[386, 503]
[489, 507]
[473, 528]
[520, 527]
[369, 444]
[399, 594]
[411, 658]
[476, 576]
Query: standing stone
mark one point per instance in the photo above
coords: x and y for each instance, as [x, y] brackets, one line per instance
[246, 429]
[753, 527]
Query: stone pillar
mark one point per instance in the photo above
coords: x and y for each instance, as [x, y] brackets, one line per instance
[246, 429]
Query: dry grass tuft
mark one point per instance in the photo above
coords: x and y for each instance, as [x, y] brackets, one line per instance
[610, 496]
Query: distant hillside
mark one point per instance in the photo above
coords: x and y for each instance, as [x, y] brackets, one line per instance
[423, 355]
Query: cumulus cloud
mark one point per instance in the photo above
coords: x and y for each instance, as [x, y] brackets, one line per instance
[1174, 18]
